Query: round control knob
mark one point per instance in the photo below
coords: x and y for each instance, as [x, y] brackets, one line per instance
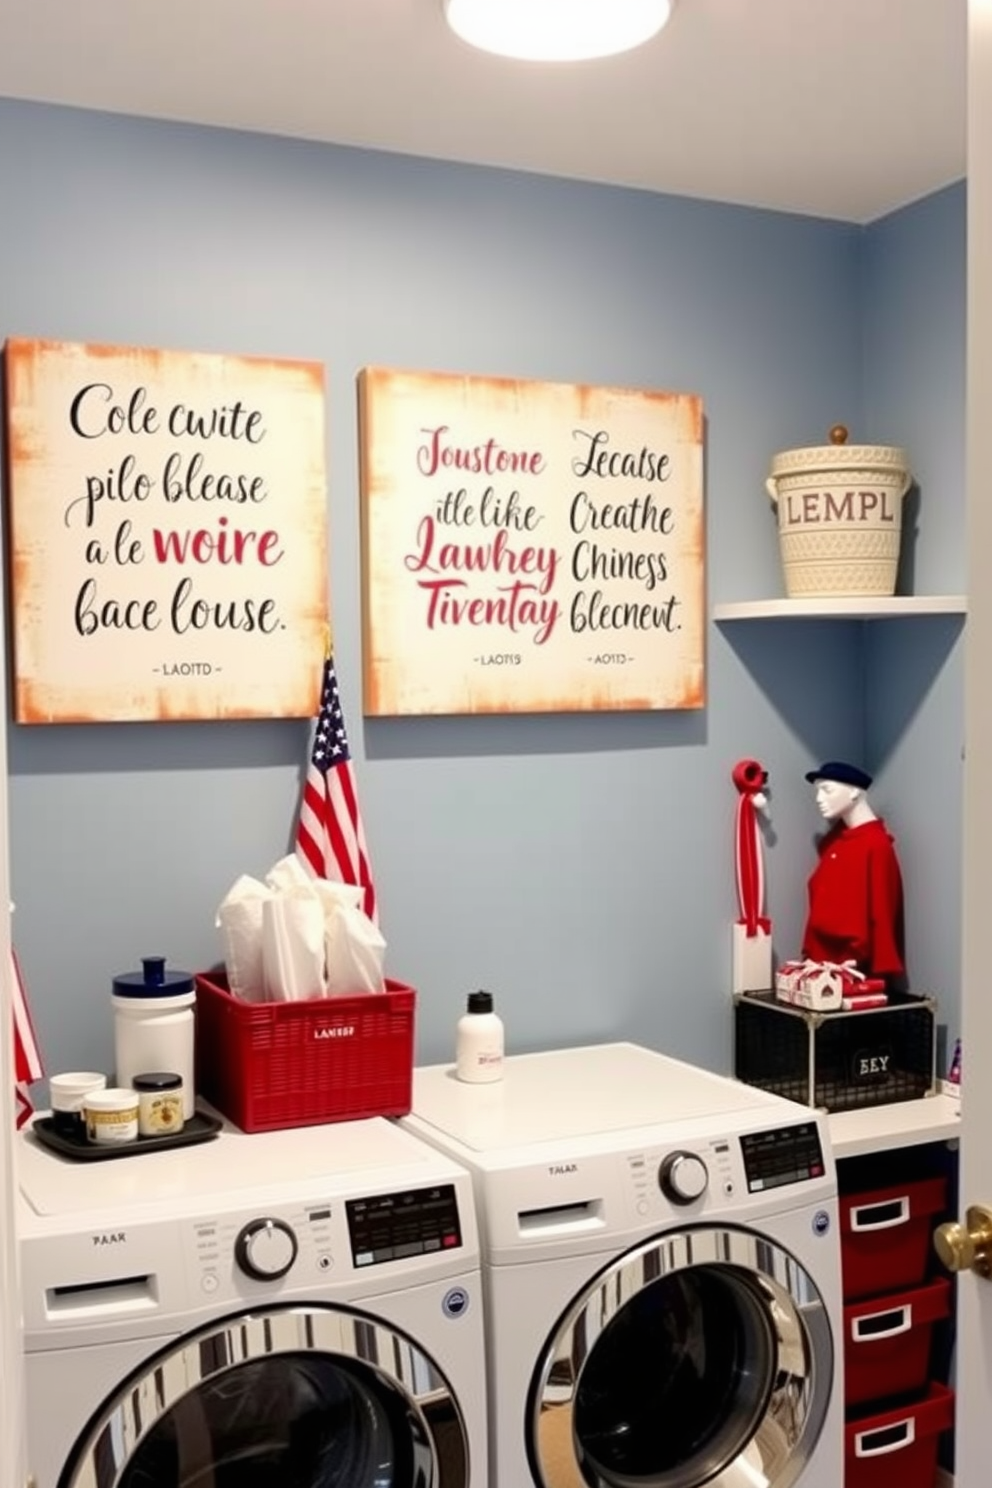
[682, 1177]
[265, 1249]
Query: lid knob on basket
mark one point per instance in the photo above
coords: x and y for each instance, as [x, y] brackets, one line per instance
[838, 434]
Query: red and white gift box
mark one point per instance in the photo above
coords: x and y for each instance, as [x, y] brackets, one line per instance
[827, 986]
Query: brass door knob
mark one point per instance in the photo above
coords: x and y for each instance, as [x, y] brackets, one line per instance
[967, 1247]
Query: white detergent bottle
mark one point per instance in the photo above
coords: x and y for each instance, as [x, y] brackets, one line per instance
[479, 1042]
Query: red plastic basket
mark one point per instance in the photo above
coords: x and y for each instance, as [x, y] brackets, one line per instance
[887, 1341]
[269, 1065]
[885, 1236]
[898, 1448]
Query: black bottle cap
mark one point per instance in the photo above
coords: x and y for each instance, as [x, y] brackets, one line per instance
[157, 1080]
[480, 1002]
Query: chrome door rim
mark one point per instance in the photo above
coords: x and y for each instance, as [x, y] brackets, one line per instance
[116, 1431]
[798, 1399]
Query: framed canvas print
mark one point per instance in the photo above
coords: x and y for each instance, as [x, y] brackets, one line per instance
[168, 518]
[529, 546]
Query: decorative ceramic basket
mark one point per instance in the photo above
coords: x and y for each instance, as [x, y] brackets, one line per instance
[839, 516]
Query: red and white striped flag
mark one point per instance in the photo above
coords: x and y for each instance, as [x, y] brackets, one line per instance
[27, 1056]
[330, 837]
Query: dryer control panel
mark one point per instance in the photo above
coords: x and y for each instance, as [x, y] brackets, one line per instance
[726, 1171]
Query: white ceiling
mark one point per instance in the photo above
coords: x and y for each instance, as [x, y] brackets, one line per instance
[836, 108]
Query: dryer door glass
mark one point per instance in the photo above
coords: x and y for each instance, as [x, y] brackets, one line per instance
[308, 1397]
[704, 1357]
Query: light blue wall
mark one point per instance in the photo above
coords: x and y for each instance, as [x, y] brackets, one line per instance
[913, 315]
[578, 866]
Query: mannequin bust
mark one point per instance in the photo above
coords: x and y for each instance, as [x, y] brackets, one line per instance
[847, 803]
[855, 890]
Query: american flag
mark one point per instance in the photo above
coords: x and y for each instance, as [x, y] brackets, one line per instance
[330, 837]
[27, 1056]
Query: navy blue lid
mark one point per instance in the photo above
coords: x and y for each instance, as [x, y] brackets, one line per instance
[153, 980]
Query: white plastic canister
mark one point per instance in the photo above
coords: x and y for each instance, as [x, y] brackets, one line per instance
[154, 1024]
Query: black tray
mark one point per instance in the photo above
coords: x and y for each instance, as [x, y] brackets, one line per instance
[199, 1128]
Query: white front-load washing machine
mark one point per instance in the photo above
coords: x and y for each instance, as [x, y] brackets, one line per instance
[296, 1309]
[662, 1272]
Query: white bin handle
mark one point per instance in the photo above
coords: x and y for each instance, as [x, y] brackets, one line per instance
[903, 1322]
[895, 1212]
[893, 1438]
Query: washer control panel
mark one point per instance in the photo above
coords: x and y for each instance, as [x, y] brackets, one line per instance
[301, 1242]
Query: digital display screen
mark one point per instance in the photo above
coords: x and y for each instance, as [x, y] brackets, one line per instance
[789, 1154]
[392, 1227]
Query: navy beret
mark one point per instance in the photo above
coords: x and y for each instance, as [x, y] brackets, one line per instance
[844, 774]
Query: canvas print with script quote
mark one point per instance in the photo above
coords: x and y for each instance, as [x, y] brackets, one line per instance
[168, 520]
[529, 546]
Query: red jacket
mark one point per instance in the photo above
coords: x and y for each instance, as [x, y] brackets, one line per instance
[855, 900]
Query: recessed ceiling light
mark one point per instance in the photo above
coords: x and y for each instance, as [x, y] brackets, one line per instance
[557, 30]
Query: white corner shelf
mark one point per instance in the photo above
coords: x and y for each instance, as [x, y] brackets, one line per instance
[935, 1118]
[856, 608]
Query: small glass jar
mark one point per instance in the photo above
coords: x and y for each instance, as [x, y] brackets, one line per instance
[111, 1115]
[160, 1103]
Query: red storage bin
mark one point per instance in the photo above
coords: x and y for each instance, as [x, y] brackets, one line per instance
[898, 1448]
[887, 1341]
[885, 1236]
[269, 1065]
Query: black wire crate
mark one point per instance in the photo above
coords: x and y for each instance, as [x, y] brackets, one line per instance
[841, 1061]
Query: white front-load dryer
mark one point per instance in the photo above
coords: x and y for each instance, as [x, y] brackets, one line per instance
[662, 1271]
[297, 1309]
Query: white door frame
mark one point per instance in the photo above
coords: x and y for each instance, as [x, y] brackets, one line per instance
[973, 1438]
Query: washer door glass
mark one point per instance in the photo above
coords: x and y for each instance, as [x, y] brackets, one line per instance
[283, 1398]
[705, 1357]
